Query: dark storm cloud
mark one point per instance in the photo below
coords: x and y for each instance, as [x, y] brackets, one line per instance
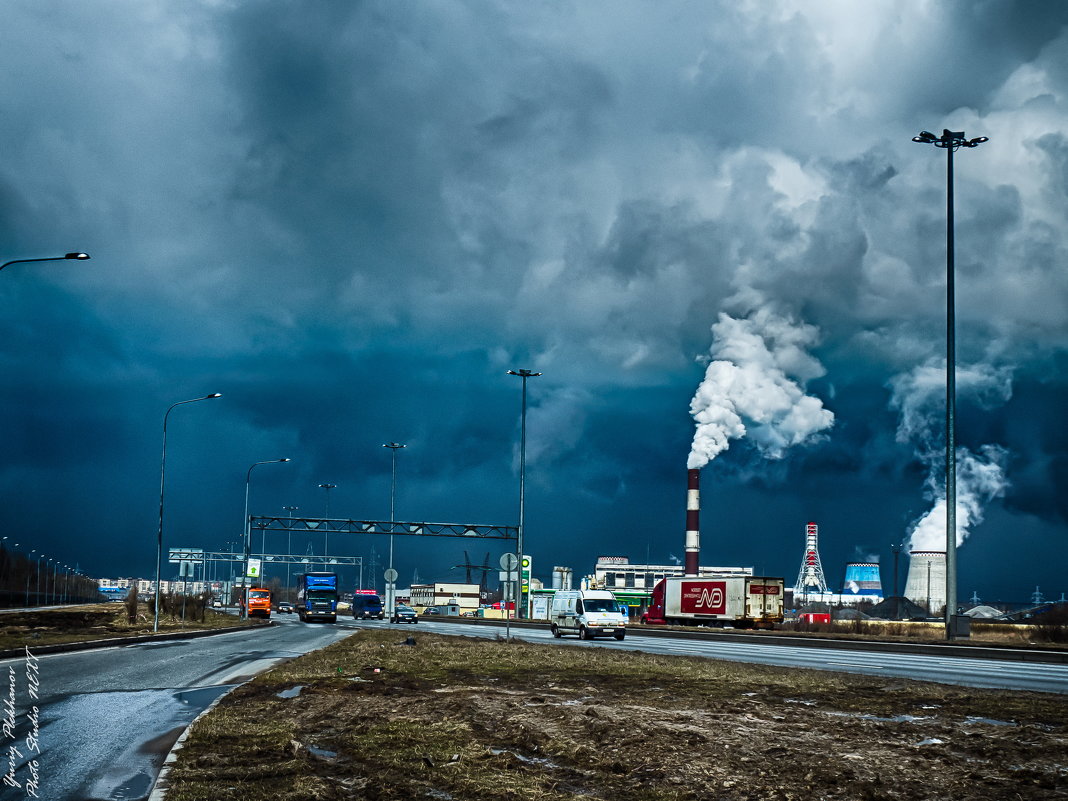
[352, 219]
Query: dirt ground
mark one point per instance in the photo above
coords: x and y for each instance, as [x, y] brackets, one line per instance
[459, 718]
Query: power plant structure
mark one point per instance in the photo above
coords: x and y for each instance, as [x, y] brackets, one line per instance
[862, 580]
[811, 580]
[926, 582]
[693, 522]
[563, 577]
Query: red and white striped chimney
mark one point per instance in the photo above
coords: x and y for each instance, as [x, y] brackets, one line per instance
[693, 523]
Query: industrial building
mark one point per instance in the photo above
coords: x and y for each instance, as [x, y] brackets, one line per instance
[439, 594]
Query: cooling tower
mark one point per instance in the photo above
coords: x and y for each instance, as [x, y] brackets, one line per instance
[926, 582]
[862, 578]
[693, 525]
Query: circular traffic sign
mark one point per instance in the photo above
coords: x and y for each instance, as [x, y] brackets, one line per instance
[509, 562]
[391, 575]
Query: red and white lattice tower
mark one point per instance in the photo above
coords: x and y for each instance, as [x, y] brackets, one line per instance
[810, 579]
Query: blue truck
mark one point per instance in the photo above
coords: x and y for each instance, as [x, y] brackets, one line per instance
[317, 597]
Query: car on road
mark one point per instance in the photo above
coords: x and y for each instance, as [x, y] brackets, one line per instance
[431, 610]
[285, 606]
[404, 614]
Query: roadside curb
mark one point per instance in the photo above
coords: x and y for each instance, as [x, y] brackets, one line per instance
[111, 642]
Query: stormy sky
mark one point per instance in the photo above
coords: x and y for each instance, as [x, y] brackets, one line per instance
[351, 219]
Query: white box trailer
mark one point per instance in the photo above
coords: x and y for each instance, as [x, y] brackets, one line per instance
[738, 601]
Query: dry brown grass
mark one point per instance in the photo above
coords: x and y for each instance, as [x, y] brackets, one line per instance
[95, 622]
[465, 718]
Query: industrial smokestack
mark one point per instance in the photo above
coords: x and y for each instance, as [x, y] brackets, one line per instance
[926, 582]
[693, 521]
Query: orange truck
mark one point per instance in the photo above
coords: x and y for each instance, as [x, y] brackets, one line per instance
[259, 602]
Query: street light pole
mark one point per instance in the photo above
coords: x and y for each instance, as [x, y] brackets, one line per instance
[394, 447]
[28, 574]
[521, 607]
[289, 546]
[162, 484]
[78, 256]
[950, 141]
[247, 529]
[326, 528]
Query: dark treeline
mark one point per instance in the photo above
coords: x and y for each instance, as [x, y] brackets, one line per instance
[30, 582]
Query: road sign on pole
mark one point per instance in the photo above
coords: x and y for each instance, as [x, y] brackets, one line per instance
[253, 568]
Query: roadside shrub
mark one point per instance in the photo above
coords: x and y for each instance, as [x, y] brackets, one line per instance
[130, 602]
[1052, 626]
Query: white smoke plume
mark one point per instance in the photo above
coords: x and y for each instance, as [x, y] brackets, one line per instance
[980, 479]
[919, 395]
[754, 387]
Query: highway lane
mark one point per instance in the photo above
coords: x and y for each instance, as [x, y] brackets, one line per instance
[107, 718]
[964, 671]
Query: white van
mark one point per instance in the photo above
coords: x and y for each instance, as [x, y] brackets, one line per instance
[587, 613]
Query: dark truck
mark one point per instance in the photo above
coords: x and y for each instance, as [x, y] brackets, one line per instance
[317, 597]
[367, 604]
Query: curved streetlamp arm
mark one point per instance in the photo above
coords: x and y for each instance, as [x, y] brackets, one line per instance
[78, 256]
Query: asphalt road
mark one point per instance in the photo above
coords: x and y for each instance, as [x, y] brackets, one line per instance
[107, 718]
[965, 671]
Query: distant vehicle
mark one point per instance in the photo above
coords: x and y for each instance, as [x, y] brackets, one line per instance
[404, 614]
[738, 601]
[431, 610]
[259, 602]
[216, 604]
[285, 606]
[587, 613]
[367, 605]
[317, 597]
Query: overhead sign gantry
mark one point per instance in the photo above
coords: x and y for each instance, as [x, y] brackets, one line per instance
[306, 525]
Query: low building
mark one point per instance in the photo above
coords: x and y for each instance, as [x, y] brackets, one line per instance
[440, 593]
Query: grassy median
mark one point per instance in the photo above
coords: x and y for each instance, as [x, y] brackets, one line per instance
[462, 718]
[97, 622]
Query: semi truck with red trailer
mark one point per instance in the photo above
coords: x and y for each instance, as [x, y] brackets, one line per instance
[736, 601]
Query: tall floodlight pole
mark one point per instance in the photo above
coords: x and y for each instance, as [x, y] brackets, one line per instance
[162, 484]
[950, 141]
[521, 606]
[247, 528]
[326, 529]
[78, 256]
[394, 447]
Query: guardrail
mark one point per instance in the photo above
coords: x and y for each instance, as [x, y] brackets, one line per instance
[949, 649]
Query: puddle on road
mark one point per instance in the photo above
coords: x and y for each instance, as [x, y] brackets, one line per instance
[108, 746]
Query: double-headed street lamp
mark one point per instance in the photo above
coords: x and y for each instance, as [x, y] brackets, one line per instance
[247, 529]
[950, 141]
[289, 546]
[521, 610]
[162, 479]
[326, 528]
[394, 447]
[78, 256]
